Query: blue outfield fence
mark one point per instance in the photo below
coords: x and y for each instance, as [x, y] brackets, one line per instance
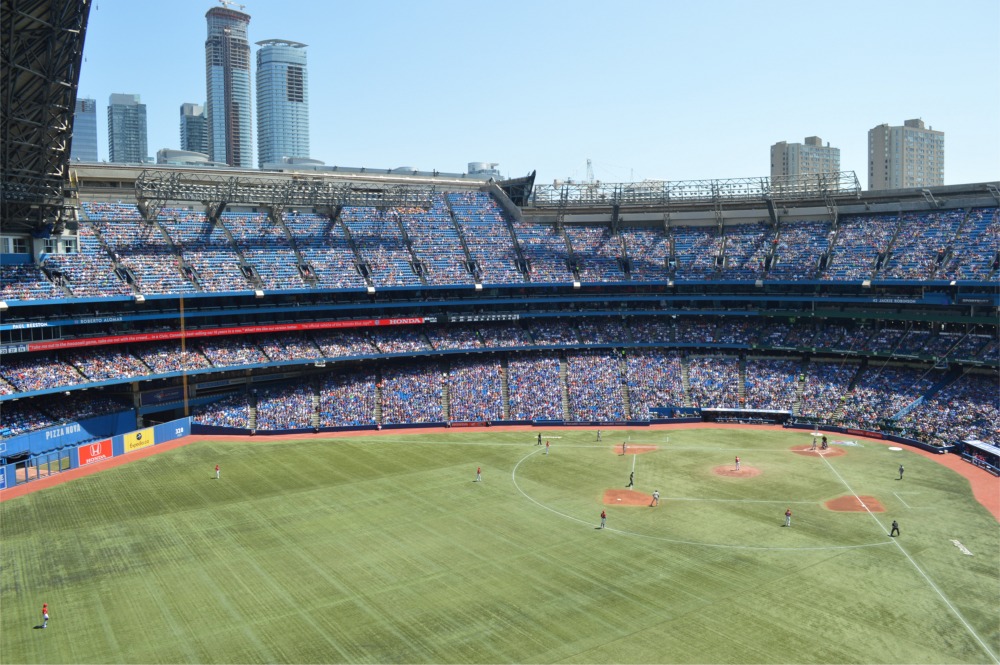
[92, 451]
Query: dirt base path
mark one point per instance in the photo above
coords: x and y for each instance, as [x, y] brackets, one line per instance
[985, 486]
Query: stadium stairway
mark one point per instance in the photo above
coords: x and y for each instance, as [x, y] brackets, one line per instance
[564, 385]
[315, 411]
[446, 400]
[378, 400]
[623, 374]
[686, 381]
[800, 387]
[505, 387]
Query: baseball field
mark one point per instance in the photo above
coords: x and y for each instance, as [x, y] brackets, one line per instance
[384, 549]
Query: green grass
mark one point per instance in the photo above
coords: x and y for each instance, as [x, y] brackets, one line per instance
[382, 549]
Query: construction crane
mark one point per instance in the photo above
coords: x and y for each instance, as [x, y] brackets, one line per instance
[228, 4]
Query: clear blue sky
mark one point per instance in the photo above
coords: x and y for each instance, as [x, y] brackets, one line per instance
[647, 89]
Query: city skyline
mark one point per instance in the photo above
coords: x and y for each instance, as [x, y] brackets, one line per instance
[649, 99]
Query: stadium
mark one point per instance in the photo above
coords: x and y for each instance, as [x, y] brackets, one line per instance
[351, 347]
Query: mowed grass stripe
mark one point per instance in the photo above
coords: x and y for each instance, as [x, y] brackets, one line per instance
[384, 550]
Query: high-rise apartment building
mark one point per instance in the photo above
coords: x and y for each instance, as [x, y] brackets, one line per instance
[127, 129]
[84, 146]
[282, 101]
[806, 158]
[227, 68]
[194, 128]
[907, 156]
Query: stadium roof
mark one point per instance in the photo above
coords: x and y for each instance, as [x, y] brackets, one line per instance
[41, 48]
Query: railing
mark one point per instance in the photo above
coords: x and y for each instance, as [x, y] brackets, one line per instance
[665, 193]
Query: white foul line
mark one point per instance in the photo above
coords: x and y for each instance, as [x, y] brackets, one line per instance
[901, 499]
[919, 569]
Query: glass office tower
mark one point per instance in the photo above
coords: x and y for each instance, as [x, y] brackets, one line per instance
[84, 147]
[282, 101]
[227, 65]
[127, 130]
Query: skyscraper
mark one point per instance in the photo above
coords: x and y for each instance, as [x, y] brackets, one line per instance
[194, 128]
[127, 129]
[282, 101]
[907, 156]
[806, 158]
[227, 65]
[84, 147]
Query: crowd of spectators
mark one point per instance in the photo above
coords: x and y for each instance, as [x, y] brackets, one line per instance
[859, 241]
[344, 343]
[454, 336]
[504, 335]
[206, 248]
[435, 242]
[602, 330]
[412, 394]
[50, 410]
[920, 243]
[280, 348]
[824, 388]
[648, 249]
[139, 246]
[402, 340]
[695, 251]
[969, 408]
[167, 357]
[39, 371]
[655, 379]
[378, 236]
[885, 340]
[800, 245]
[598, 253]
[594, 384]
[881, 392]
[535, 387]
[475, 390]
[654, 330]
[347, 399]
[20, 418]
[771, 384]
[231, 411]
[285, 407]
[89, 272]
[325, 249]
[714, 381]
[544, 248]
[26, 281]
[105, 363]
[232, 352]
[553, 332]
[265, 246]
[487, 235]
[975, 248]
[746, 247]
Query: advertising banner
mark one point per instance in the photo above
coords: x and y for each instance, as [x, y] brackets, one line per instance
[94, 452]
[211, 332]
[139, 439]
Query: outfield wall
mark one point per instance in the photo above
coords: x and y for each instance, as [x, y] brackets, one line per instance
[55, 461]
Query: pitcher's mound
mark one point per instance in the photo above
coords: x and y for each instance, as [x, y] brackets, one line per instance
[829, 452]
[627, 498]
[851, 504]
[633, 450]
[731, 472]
